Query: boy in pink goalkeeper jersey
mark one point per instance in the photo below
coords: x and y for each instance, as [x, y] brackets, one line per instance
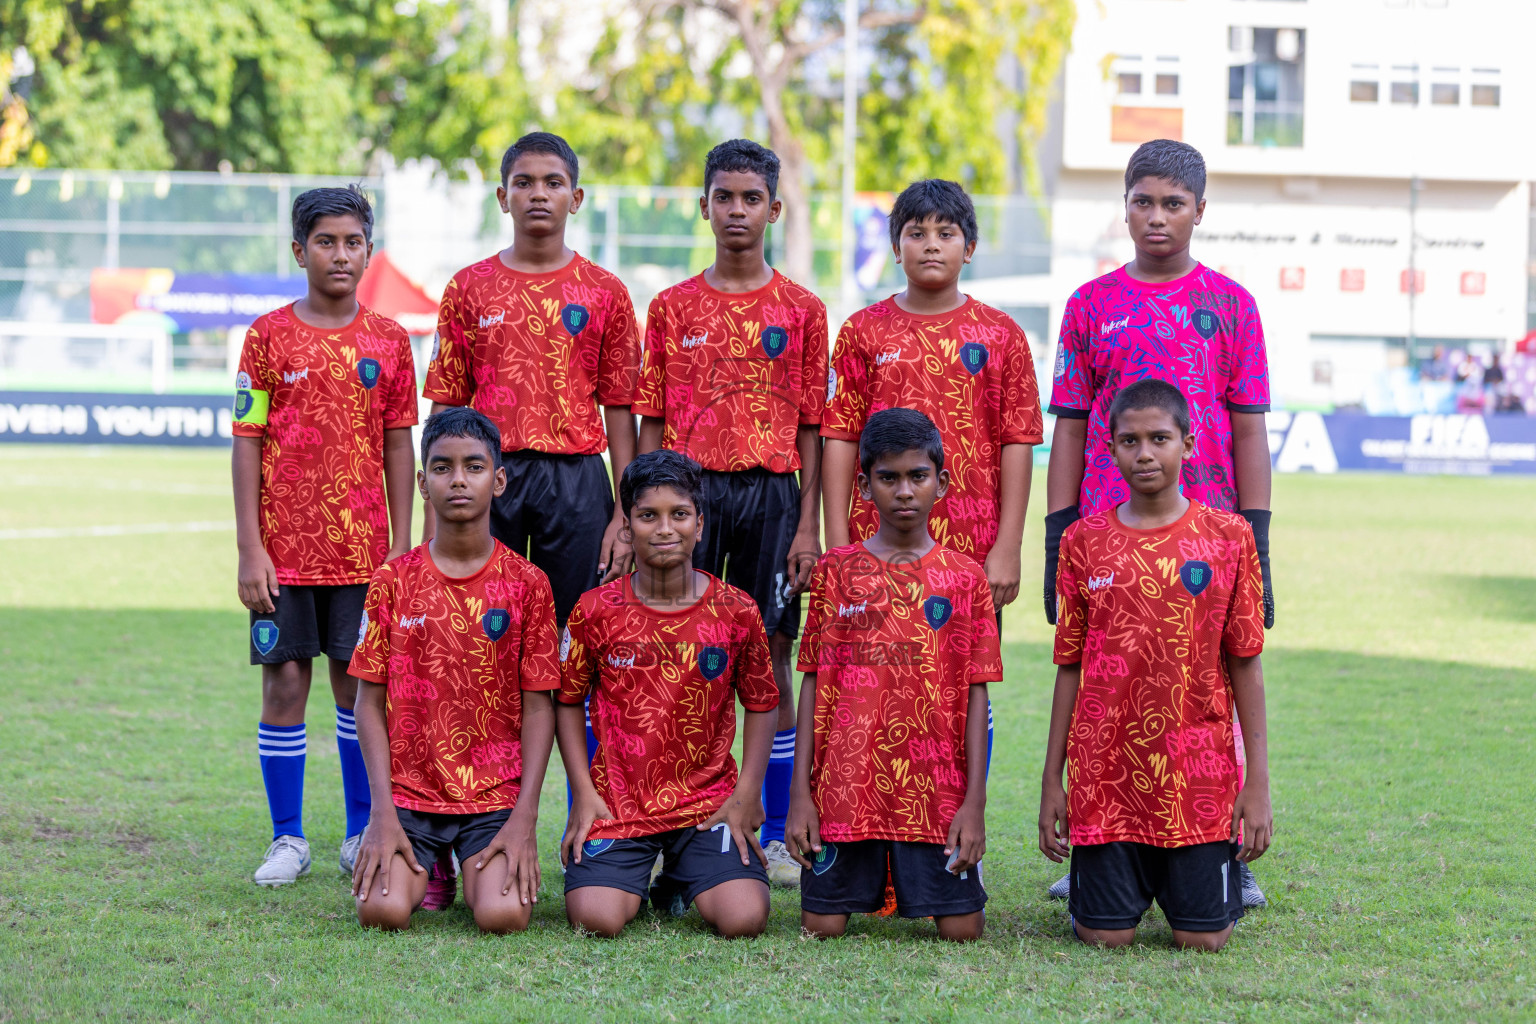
[1162, 315]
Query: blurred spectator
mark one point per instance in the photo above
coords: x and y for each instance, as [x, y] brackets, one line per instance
[1494, 375]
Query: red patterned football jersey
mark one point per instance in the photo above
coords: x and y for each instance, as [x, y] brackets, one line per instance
[537, 353]
[455, 655]
[1150, 614]
[896, 649]
[970, 372]
[320, 400]
[734, 375]
[664, 686]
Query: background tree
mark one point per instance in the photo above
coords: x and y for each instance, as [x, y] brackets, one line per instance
[947, 81]
[267, 85]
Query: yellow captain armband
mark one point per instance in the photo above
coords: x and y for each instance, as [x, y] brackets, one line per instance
[251, 406]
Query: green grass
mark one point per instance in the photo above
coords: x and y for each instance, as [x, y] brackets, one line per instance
[131, 811]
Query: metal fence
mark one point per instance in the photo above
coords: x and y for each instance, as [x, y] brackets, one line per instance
[56, 227]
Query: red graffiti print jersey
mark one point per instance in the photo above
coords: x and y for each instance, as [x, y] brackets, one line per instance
[895, 649]
[537, 353]
[735, 375]
[664, 686]
[1150, 614]
[320, 400]
[454, 655]
[970, 372]
[1200, 333]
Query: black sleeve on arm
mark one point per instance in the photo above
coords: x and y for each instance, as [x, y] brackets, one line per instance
[1056, 524]
[1066, 413]
[1258, 518]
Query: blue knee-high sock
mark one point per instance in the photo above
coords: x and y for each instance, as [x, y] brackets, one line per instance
[781, 768]
[989, 738]
[281, 748]
[354, 774]
[570, 796]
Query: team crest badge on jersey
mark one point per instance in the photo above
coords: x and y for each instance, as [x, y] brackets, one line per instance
[831, 385]
[937, 611]
[1195, 575]
[973, 356]
[495, 622]
[775, 340]
[264, 636]
[368, 371]
[244, 400]
[565, 644]
[574, 317]
[712, 662]
[362, 630]
[242, 381]
[1205, 323]
[825, 859]
[593, 847]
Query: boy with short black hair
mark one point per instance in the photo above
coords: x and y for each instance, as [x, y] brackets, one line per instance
[325, 399]
[1165, 314]
[456, 664]
[890, 766]
[1159, 631]
[537, 337]
[731, 376]
[965, 365]
[664, 653]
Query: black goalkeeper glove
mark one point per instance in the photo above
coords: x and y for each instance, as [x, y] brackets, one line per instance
[1055, 525]
[1258, 518]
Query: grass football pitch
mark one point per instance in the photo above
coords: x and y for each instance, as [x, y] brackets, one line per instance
[1402, 880]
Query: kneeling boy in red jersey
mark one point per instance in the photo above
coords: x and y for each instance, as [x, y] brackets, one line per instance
[890, 760]
[664, 652]
[1159, 628]
[456, 661]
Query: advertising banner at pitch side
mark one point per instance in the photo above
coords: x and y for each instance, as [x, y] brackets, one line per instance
[1458, 445]
[53, 417]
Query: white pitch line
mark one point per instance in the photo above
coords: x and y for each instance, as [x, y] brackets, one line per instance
[53, 532]
[150, 486]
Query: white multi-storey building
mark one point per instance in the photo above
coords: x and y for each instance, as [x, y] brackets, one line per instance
[1370, 165]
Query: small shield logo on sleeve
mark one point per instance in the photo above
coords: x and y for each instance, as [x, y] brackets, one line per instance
[712, 662]
[825, 859]
[495, 622]
[368, 371]
[1196, 576]
[574, 317]
[1205, 323]
[775, 340]
[264, 636]
[973, 356]
[937, 611]
[243, 403]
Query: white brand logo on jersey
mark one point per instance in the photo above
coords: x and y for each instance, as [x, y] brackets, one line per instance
[887, 357]
[845, 610]
[1113, 325]
[618, 662]
[407, 622]
[487, 321]
[1100, 582]
[695, 340]
[565, 643]
[296, 375]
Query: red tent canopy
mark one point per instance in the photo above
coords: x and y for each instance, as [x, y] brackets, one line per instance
[385, 289]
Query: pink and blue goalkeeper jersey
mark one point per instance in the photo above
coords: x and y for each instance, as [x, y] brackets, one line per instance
[1200, 333]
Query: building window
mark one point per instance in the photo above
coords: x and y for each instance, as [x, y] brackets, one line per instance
[1264, 90]
[1445, 94]
[1405, 92]
[1129, 83]
[1364, 92]
[1485, 95]
[1167, 85]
